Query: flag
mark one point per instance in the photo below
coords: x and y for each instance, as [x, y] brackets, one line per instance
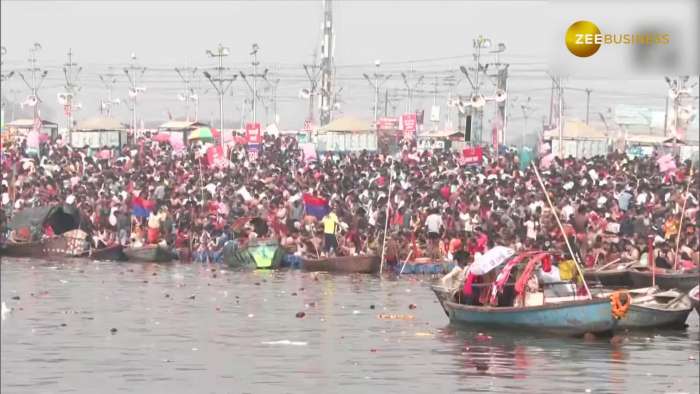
[666, 163]
[141, 207]
[315, 206]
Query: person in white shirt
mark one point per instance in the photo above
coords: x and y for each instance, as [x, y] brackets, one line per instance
[454, 279]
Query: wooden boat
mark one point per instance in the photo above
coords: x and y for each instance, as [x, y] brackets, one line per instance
[346, 264]
[665, 279]
[257, 253]
[110, 253]
[149, 254]
[72, 243]
[424, 266]
[694, 296]
[567, 318]
[23, 249]
[616, 275]
[654, 308]
[443, 295]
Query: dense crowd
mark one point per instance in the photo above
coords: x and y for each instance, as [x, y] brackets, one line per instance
[439, 207]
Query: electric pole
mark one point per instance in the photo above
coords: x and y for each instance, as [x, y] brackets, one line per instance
[3, 78]
[327, 50]
[133, 72]
[410, 89]
[34, 99]
[218, 83]
[188, 75]
[109, 80]
[71, 90]
[588, 104]
[254, 87]
[312, 72]
[379, 80]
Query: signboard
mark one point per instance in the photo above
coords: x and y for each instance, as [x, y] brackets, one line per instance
[409, 122]
[388, 124]
[252, 133]
[253, 151]
[472, 155]
[435, 113]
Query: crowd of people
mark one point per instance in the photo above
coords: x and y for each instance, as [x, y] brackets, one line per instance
[439, 208]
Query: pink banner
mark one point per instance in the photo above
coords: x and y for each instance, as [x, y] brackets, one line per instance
[410, 123]
[666, 163]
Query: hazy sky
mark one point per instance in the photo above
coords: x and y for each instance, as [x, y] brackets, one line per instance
[435, 37]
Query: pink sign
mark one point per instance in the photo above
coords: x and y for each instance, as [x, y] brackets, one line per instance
[472, 155]
[252, 133]
[409, 125]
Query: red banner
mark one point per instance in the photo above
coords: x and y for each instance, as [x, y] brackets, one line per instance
[252, 133]
[409, 125]
[472, 155]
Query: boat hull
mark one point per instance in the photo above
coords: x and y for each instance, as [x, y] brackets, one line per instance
[681, 281]
[149, 254]
[443, 295]
[260, 254]
[640, 316]
[344, 264]
[608, 278]
[110, 253]
[567, 318]
[65, 246]
[24, 249]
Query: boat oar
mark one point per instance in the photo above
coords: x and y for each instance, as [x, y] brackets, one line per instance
[607, 265]
[680, 225]
[563, 233]
[410, 253]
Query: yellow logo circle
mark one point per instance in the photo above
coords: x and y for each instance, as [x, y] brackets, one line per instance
[583, 38]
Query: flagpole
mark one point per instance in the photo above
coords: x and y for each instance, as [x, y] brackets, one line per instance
[680, 224]
[386, 222]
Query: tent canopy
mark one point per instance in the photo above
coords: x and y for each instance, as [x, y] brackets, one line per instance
[181, 125]
[99, 123]
[347, 125]
[577, 130]
[29, 123]
[61, 218]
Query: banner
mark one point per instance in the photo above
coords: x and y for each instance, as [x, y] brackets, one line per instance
[388, 124]
[409, 122]
[472, 155]
[666, 163]
[253, 151]
[252, 133]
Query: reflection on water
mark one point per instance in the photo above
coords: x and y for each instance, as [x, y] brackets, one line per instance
[192, 329]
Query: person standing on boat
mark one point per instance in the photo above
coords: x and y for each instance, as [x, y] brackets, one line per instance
[330, 225]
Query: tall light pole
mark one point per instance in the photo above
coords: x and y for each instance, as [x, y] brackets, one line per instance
[254, 87]
[35, 85]
[327, 68]
[3, 78]
[132, 73]
[526, 114]
[109, 80]
[379, 80]
[71, 90]
[410, 89]
[187, 75]
[218, 83]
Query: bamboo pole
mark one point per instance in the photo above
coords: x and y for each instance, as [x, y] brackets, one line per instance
[561, 228]
[386, 222]
[680, 225]
[410, 253]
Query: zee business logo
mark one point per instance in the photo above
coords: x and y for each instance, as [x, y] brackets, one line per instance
[583, 38]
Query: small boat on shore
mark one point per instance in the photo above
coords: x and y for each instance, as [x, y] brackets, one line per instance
[257, 253]
[343, 264]
[653, 308]
[109, 253]
[149, 254]
[665, 279]
[424, 266]
[34, 249]
[610, 275]
[694, 296]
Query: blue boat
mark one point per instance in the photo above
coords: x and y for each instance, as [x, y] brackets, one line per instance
[552, 306]
[566, 318]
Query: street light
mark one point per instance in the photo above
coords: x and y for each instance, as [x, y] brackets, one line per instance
[220, 52]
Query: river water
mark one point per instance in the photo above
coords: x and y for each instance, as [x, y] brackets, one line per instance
[204, 329]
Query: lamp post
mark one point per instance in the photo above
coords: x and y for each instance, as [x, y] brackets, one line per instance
[379, 80]
[254, 87]
[218, 83]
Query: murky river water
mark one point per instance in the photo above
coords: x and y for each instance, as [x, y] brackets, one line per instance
[186, 329]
